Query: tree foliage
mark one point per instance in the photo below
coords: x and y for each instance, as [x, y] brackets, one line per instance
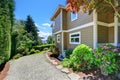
[90, 5]
[50, 40]
[6, 23]
[31, 30]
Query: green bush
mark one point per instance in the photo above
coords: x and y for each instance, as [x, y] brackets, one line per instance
[80, 57]
[33, 51]
[2, 59]
[66, 62]
[42, 47]
[23, 50]
[107, 58]
[68, 53]
[17, 56]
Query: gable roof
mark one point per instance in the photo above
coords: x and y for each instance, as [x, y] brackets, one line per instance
[57, 12]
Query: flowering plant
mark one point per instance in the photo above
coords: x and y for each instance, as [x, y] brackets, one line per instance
[106, 57]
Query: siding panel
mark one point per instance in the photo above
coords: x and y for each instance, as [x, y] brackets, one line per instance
[82, 19]
[57, 23]
[102, 34]
[86, 37]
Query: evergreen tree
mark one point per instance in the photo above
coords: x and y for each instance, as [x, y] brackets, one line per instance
[6, 23]
[31, 30]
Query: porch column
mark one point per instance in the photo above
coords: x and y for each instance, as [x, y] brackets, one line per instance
[95, 34]
[62, 43]
[115, 30]
[116, 27]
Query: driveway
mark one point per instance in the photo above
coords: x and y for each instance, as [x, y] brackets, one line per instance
[34, 67]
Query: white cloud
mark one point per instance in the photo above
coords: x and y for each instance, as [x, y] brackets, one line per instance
[46, 24]
[37, 25]
[44, 34]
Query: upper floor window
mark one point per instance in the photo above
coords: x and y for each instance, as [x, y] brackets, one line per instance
[74, 16]
[75, 38]
[58, 38]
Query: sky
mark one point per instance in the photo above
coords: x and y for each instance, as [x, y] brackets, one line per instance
[41, 12]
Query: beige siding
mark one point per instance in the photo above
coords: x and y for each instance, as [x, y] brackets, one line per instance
[64, 20]
[111, 34]
[102, 34]
[57, 23]
[105, 34]
[59, 45]
[86, 37]
[106, 17]
[65, 40]
[82, 19]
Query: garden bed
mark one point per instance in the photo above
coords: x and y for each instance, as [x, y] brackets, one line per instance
[87, 74]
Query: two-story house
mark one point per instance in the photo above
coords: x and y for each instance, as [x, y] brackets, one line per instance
[70, 30]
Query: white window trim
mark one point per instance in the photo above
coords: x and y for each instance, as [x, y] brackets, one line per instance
[75, 17]
[73, 34]
[58, 41]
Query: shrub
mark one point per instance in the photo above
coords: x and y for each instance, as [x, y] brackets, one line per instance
[55, 52]
[42, 47]
[66, 62]
[20, 49]
[2, 59]
[17, 56]
[23, 50]
[68, 53]
[32, 51]
[80, 57]
[106, 58]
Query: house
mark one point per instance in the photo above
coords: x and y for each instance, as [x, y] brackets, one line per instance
[70, 30]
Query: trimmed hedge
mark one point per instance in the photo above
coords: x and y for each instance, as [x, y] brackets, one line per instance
[42, 47]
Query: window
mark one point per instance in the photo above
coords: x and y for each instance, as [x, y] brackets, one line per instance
[73, 16]
[75, 38]
[58, 38]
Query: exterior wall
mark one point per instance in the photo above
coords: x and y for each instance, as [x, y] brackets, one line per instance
[58, 25]
[111, 34]
[64, 20]
[66, 40]
[105, 34]
[107, 17]
[102, 34]
[86, 37]
[82, 19]
[59, 45]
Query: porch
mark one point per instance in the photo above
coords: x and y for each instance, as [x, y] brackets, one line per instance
[108, 35]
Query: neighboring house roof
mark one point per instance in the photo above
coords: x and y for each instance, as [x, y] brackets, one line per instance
[57, 12]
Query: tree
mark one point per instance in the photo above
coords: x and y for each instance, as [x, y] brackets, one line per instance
[50, 40]
[90, 5]
[17, 34]
[31, 30]
[6, 23]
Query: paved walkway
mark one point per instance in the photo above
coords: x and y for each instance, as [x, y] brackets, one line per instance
[34, 67]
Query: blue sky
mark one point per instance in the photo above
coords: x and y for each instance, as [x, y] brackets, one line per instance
[40, 10]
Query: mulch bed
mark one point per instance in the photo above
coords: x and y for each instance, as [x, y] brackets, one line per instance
[3, 70]
[91, 75]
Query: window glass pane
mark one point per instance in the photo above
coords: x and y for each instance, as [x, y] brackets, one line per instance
[73, 16]
[76, 39]
[74, 35]
[72, 40]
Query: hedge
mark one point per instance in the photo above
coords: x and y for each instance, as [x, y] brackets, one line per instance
[42, 47]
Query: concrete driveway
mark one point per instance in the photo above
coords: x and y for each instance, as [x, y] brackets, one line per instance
[34, 67]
